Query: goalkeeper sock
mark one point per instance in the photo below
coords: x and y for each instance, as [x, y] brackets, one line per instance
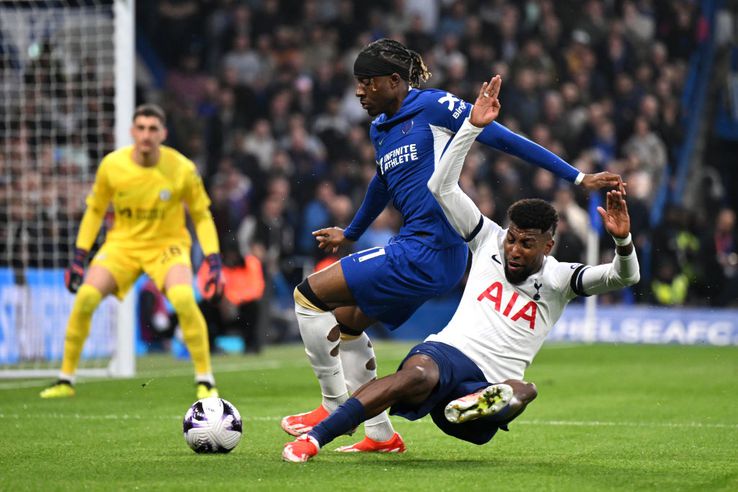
[346, 417]
[321, 337]
[194, 329]
[360, 367]
[78, 327]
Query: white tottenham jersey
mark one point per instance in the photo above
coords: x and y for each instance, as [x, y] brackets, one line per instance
[500, 325]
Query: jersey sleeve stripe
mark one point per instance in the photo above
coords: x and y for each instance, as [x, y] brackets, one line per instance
[476, 229]
[576, 281]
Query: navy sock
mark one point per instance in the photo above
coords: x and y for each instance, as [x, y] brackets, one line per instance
[346, 417]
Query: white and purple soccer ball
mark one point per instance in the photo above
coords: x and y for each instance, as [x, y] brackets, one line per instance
[212, 425]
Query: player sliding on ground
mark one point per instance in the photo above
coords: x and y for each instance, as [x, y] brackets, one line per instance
[148, 184]
[426, 259]
[469, 377]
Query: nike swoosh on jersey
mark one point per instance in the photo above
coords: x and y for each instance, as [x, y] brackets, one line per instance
[494, 257]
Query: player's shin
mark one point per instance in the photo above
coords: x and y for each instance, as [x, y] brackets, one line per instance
[78, 327]
[194, 330]
[321, 335]
[360, 367]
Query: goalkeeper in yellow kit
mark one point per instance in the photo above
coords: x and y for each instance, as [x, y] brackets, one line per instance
[148, 184]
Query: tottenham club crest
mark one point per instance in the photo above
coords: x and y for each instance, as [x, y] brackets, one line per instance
[165, 195]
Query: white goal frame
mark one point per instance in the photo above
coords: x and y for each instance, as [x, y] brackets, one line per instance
[123, 361]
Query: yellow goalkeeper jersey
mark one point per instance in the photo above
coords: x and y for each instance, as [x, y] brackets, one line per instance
[148, 202]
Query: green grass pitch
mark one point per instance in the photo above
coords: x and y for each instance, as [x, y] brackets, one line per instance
[608, 417]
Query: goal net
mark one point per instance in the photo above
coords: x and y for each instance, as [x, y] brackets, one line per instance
[65, 98]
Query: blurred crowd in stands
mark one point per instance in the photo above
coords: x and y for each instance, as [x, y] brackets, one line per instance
[260, 95]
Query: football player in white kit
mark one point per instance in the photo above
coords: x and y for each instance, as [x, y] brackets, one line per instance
[469, 376]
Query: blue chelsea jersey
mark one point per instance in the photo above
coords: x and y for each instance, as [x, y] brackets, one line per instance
[410, 143]
[407, 146]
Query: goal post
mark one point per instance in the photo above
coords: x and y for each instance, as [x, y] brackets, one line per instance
[66, 99]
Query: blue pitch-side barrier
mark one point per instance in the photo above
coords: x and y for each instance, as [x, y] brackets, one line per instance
[615, 324]
[33, 318]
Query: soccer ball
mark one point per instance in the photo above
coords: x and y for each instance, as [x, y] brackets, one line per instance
[212, 425]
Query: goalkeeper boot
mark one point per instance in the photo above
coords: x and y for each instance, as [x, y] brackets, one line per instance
[367, 445]
[484, 403]
[302, 423]
[60, 389]
[206, 390]
[301, 449]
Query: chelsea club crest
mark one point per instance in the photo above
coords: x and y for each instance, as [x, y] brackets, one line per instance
[165, 195]
[406, 127]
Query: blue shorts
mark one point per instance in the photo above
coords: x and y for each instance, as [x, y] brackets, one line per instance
[390, 283]
[458, 376]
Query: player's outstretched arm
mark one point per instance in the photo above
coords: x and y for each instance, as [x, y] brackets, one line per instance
[459, 209]
[501, 138]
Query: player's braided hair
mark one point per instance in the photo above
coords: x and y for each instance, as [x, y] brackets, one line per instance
[397, 54]
[533, 213]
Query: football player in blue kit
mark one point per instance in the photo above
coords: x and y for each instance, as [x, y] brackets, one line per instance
[427, 258]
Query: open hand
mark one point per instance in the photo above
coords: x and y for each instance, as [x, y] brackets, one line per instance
[616, 219]
[487, 106]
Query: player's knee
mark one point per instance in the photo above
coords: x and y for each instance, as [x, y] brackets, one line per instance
[417, 379]
[305, 296]
[87, 299]
[182, 298]
[348, 333]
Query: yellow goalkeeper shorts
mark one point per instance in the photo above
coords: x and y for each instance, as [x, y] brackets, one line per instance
[126, 264]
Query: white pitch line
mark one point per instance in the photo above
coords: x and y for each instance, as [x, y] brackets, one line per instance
[544, 423]
[224, 368]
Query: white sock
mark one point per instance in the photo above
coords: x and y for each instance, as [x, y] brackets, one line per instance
[360, 367]
[317, 329]
[67, 377]
[205, 378]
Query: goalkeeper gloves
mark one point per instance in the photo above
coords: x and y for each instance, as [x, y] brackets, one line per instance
[75, 274]
[213, 289]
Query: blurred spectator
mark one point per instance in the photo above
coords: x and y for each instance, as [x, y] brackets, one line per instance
[568, 246]
[245, 62]
[316, 215]
[239, 309]
[719, 258]
[156, 320]
[577, 219]
[646, 151]
[670, 285]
